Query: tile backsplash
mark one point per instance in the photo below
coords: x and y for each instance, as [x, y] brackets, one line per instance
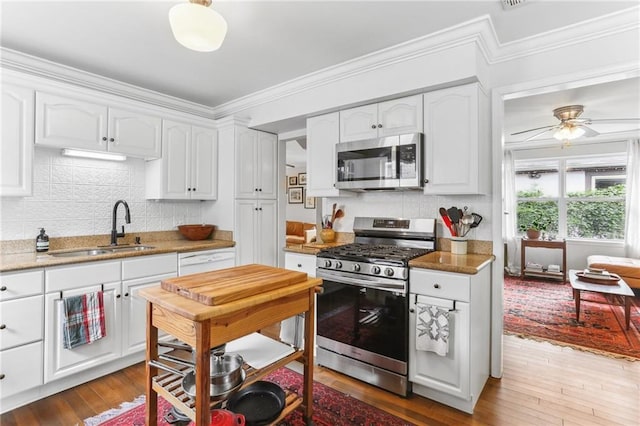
[75, 196]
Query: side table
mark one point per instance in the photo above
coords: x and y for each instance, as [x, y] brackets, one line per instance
[554, 244]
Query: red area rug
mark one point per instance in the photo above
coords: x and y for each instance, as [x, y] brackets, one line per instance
[330, 408]
[546, 310]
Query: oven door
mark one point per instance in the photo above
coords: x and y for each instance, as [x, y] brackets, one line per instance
[365, 320]
[368, 164]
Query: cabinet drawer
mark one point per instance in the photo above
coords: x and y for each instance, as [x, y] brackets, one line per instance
[445, 285]
[147, 266]
[301, 262]
[22, 320]
[21, 284]
[82, 275]
[22, 369]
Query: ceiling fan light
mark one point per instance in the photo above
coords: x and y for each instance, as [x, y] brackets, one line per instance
[569, 133]
[197, 27]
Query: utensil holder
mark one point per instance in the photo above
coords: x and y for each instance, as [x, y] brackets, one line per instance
[458, 246]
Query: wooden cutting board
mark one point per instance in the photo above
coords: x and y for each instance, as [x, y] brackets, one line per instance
[226, 285]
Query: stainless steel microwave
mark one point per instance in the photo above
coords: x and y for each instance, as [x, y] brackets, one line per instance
[389, 163]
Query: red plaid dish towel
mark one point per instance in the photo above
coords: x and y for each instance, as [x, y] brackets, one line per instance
[83, 319]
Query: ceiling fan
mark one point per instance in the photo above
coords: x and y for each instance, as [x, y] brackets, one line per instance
[571, 125]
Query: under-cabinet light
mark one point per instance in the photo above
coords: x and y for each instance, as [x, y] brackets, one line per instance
[93, 154]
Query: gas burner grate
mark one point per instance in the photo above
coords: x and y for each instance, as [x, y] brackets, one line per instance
[370, 251]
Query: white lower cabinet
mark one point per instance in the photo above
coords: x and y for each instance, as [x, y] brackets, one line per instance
[300, 262]
[21, 322]
[60, 362]
[457, 378]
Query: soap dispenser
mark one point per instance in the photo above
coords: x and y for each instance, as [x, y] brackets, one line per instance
[42, 241]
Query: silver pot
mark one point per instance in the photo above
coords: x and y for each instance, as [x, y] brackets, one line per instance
[225, 372]
[215, 353]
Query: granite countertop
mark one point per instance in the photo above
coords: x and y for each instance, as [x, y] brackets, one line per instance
[311, 248]
[445, 261]
[19, 261]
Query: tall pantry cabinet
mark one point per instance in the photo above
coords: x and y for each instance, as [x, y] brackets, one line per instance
[256, 196]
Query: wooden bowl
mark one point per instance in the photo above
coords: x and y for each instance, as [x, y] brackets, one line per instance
[196, 232]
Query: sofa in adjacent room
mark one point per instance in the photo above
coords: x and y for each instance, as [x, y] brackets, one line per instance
[627, 268]
[300, 232]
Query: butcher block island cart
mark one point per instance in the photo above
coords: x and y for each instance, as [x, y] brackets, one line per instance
[212, 308]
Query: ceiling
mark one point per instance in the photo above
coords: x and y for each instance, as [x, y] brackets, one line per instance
[271, 42]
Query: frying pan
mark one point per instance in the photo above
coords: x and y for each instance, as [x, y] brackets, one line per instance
[260, 403]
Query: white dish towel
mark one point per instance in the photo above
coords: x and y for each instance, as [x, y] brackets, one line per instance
[432, 325]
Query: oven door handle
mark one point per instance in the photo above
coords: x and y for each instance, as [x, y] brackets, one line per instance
[377, 283]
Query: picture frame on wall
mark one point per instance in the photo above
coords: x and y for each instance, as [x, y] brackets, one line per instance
[309, 202]
[295, 195]
[293, 180]
[302, 178]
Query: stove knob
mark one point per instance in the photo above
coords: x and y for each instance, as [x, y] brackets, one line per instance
[327, 263]
[338, 264]
[388, 272]
[375, 269]
[356, 267]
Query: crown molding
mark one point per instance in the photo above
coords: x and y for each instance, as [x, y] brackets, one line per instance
[52, 71]
[479, 31]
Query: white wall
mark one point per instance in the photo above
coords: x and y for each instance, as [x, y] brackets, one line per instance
[297, 212]
[74, 196]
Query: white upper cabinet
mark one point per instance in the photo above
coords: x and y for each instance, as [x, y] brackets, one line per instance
[16, 162]
[388, 118]
[188, 169]
[256, 159]
[74, 123]
[322, 137]
[456, 150]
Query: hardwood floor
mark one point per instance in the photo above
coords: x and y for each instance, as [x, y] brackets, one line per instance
[543, 384]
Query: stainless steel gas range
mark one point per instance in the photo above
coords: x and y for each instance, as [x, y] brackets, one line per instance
[363, 312]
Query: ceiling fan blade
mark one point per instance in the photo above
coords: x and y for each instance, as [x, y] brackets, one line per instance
[531, 130]
[588, 131]
[613, 120]
[541, 133]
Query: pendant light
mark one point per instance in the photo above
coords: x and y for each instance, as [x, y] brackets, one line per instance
[196, 26]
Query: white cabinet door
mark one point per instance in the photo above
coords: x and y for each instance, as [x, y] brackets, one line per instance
[21, 321]
[256, 160]
[20, 369]
[393, 117]
[449, 374]
[135, 134]
[134, 313]
[323, 134]
[267, 157]
[256, 232]
[400, 116]
[456, 156]
[359, 123]
[16, 162]
[60, 362]
[204, 163]
[267, 232]
[176, 156]
[70, 123]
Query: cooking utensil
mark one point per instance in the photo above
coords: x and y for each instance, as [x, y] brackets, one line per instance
[467, 218]
[226, 370]
[447, 221]
[476, 220]
[260, 403]
[216, 392]
[226, 418]
[453, 214]
[215, 352]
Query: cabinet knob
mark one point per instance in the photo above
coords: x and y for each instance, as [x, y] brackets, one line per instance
[436, 285]
[426, 181]
[412, 310]
[104, 138]
[373, 126]
[255, 208]
[126, 295]
[3, 288]
[193, 189]
[260, 190]
[379, 126]
[260, 209]
[188, 189]
[111, 139]
[299, 265]
[3, 326]
[117, 296]
[1, 376]
[256, 190]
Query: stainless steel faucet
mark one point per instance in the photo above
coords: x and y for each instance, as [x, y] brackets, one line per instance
[127, 217]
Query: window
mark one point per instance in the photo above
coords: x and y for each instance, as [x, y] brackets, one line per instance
[579, 197]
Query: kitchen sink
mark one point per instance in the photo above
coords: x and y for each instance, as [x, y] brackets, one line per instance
[98, 251]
